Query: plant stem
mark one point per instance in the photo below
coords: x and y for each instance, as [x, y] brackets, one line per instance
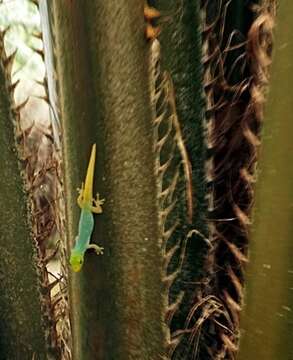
[102, 64]
[268, 317]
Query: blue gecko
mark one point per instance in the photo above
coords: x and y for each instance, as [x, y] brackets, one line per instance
[86, 222]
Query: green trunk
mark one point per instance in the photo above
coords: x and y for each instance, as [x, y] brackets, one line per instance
[22, 325]
[103, 74]
[181, 57]
[268, 317]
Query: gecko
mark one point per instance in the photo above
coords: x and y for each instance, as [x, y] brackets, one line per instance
[88, 206]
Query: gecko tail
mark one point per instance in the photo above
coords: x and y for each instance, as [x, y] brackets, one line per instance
[89, 180]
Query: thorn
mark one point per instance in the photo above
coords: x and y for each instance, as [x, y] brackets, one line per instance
[21, 105]
[229, 343]
[38, 35]
[39, 51]
[51, 255]
[8, 62]
[45, 82]
[21, 135]
[51, 285]
[45, 98]
[167, 234]
[247, 176]
[54, 283]
[56, 301]
[39, 82]
[173, 307]
[174, 341]
[3, 32]
[239, 255]
[12, 87]
[233, 305]
[35, 2]
[242, 216]
[236, 282]
[50, 137]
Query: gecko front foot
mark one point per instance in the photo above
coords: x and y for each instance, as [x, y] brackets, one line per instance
[97, 209]
[98, 249]
[98, 201]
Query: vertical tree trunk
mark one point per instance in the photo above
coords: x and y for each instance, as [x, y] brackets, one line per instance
[103, 72]
[268, 317]
[22, 325]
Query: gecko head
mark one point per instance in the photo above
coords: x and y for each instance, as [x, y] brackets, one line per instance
[76, 260]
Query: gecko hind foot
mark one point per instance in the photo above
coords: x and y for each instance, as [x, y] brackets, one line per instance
[98, 249]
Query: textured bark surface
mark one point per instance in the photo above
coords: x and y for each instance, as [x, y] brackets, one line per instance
[23, 331]
[181, 59]
[267, 318]
[116, 299]
[236, 46]
[237, 40]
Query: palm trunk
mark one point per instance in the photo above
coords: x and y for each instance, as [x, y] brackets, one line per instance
[23, 323]
[116, 299]
[267, 319]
